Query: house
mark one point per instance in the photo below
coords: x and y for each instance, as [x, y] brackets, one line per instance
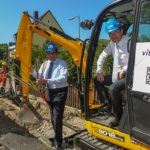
[48, 19]
[12, 49]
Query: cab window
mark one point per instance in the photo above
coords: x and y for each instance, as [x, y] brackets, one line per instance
[144, 25]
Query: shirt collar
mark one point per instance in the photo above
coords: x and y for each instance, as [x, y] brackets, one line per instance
[121, 41]
[49, 61]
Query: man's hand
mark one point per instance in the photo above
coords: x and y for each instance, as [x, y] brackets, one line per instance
[41, 81]
[100, 77]
[121, 74]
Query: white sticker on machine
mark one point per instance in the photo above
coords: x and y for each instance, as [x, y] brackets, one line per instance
[141, 77]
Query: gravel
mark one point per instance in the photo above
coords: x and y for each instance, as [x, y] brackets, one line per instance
[9, 121]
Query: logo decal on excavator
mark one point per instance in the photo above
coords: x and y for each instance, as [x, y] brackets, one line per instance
[107, 133]
[146, 53]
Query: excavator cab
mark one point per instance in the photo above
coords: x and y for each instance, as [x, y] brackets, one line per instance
[138, 81]
[133, 131]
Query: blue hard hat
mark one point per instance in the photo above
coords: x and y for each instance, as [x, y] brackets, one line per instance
[112, 24]
[50, 47]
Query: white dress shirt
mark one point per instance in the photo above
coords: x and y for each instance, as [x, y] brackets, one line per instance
[59, 74]
[110, 49]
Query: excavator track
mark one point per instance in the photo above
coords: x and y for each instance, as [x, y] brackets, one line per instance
[85, 141]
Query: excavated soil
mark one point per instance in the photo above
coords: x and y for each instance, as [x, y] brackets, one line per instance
[10, 122]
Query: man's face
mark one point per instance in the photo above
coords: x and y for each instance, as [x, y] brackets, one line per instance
[52, 55]
[116, 35]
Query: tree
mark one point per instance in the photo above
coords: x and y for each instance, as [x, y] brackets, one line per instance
[72, 69]
[107, 68]
[3, 51]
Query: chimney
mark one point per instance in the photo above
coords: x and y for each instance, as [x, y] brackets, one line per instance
[35, 14]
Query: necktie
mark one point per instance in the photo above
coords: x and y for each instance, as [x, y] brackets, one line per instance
[49, 74]
[115, 65]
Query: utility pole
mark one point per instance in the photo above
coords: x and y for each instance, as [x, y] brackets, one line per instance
[78, 17]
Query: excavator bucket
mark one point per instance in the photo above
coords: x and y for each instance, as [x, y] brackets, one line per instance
[28, 113]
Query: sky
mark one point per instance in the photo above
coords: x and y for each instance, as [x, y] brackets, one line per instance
[11, 13]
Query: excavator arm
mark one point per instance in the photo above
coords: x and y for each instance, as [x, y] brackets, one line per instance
[24, 46]
[24, 51]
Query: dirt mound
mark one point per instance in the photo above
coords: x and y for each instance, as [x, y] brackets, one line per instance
[9, 119]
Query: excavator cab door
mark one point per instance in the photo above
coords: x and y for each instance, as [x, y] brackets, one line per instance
[138, 76]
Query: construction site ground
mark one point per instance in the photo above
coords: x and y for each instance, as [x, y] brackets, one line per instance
[17, 135]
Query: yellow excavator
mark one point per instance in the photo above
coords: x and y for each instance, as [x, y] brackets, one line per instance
[133, 131]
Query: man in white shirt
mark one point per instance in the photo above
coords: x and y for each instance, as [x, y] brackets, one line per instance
[53, 73]
[118, 47]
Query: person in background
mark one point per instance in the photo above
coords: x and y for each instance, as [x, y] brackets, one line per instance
[53, 74]
[3, 73]
[118, 47]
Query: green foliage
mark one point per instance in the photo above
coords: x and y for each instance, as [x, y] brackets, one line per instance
[38, 53]
[72, 69]
[143, 38]
[3, 51]
[107, 68]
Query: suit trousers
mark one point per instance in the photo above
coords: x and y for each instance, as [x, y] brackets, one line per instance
[114, 93]
[56, 100]
[102, 91]
[116, 97]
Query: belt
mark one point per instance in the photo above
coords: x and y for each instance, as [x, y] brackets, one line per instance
[58, 89]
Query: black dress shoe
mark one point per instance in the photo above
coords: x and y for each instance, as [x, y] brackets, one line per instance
[59, 147]
[114, 122]
[105, 108]
[52, 141]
